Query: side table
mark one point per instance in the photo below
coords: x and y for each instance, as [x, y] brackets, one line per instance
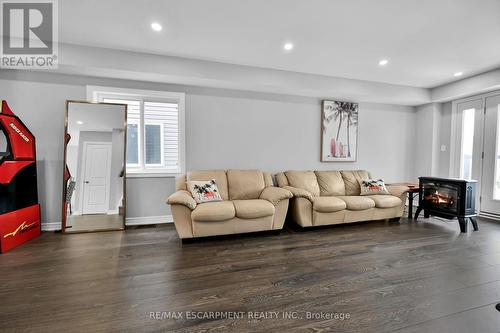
[413, 190]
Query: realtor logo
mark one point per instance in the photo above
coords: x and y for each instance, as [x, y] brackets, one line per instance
[29, 34]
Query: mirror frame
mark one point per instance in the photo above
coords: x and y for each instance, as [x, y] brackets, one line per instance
[64, 186]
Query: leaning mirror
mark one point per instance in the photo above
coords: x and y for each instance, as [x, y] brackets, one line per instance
[94, 167]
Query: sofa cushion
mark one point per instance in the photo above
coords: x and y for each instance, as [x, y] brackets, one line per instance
[328, 204]
[281, 179]
[252, 209]
[214, 211]
[305, 180]
[330, 183]
[245, 184]
[268, 179]
[385, 201]
[356, 202]
[351, 180]
[218, 175]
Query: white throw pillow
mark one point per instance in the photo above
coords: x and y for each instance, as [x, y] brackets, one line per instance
[204, 190]
[373, 186]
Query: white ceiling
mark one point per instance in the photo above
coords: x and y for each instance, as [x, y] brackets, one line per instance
[426, 41]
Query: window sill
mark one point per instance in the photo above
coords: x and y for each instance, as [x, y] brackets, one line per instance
[152, 174]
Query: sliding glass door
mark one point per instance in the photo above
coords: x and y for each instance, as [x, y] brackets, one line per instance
[476, 153]
[490, 181]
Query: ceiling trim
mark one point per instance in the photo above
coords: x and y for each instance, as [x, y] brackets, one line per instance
[96, 62]
[118, 64]
[477, 84]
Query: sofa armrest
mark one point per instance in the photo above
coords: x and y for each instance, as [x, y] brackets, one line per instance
[275, 194]
[397, 190]
[299, 192]
[182, 197]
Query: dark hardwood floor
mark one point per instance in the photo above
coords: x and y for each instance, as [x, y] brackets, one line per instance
[405, 277]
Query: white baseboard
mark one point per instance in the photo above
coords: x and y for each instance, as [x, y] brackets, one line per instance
[51, 226]
[489, 216]
[145, 220]
[129, 221]
[113, 212]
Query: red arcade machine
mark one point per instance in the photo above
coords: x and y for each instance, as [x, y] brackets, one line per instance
[19, 208]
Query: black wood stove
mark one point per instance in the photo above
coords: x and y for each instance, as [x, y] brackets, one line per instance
[448, 198]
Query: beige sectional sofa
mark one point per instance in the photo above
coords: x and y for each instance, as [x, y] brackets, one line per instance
[333, 197]
[250, 203]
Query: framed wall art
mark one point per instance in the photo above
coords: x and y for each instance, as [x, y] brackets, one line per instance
[339, 135]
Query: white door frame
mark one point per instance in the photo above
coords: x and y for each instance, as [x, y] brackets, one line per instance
[493, 212]
[84, 163]
[456, 133]
[456, 140]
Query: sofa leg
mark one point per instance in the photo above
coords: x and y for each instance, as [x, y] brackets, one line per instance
[187, 241]
[395, 219]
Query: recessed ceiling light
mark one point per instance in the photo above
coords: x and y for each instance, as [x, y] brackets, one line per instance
[383, 62]
[457, 74]
[79, 122]
[288, 46]
[156, 26]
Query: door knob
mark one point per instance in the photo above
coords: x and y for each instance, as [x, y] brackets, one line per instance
[86, 182]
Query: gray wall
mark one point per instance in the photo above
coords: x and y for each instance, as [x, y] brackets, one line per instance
[243, 132]
[41, 107]
[224, 129]
[445, 137]
[433, 123]
[428, 136]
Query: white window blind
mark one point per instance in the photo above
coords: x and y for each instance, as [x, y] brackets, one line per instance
[154, 129]
[166, 115]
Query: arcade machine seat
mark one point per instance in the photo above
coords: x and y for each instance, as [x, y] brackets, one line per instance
[19, 208]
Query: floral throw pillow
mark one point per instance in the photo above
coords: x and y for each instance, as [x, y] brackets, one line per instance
[373, 186]
[204, 190]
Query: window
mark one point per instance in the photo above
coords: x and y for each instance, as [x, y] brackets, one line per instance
[467, 143]
[132, 144]
[155, 128]
[154, 144]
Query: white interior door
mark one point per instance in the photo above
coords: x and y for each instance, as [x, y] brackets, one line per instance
[96, 181]
[490, 189]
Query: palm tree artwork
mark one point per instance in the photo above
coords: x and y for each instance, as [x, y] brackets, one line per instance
[352, 120]
[339, 131]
